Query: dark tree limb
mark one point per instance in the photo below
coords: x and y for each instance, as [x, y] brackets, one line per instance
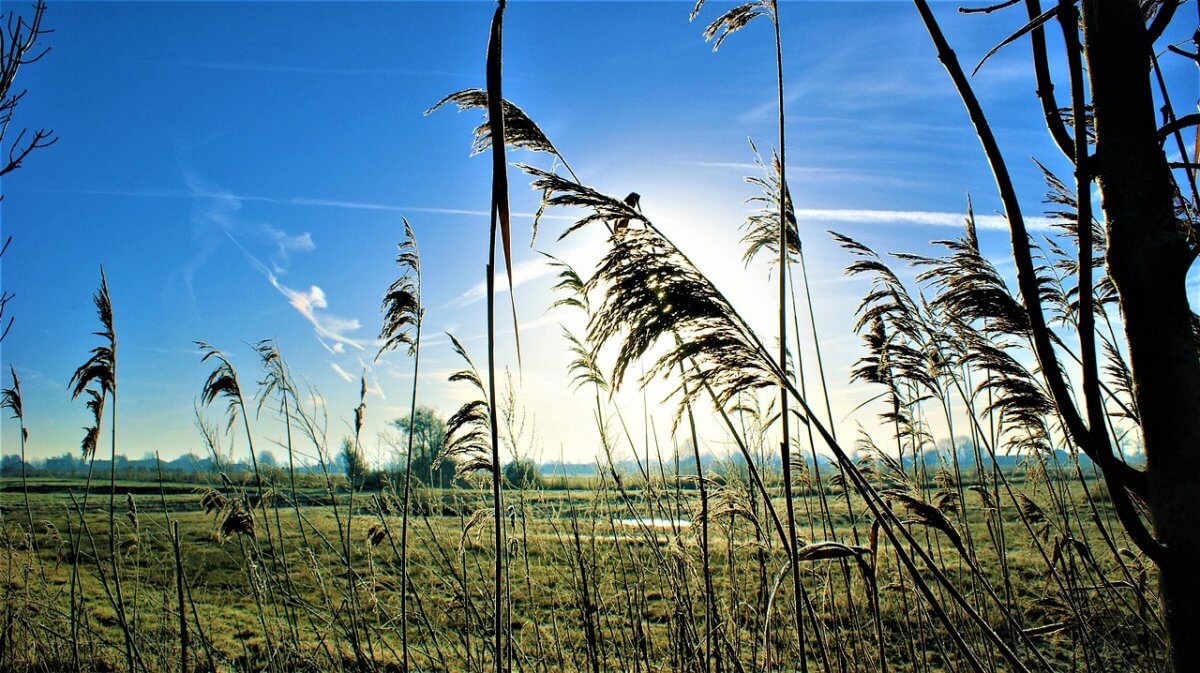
[1148, 257]
[1068, 18]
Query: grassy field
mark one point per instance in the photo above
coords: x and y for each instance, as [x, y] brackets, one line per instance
[976, 536]
[601, 579]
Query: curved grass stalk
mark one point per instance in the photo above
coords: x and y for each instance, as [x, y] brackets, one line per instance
[403, 315]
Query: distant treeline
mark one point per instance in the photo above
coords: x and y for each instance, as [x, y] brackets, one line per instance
[193, 468]
[188, 467]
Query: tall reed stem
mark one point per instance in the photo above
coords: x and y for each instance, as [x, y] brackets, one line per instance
[412, 418]
[785, 446]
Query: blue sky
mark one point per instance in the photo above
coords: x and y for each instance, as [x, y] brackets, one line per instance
[241, 170]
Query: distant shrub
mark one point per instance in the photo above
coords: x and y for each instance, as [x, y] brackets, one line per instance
[522, 473]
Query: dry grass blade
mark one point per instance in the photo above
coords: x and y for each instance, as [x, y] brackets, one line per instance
[583, 368]
[905, 347]
[275, 374]
[968, 286]
[375, 535]
[1032, 511]
[91, 434]
[888, 299]
[572, 290]
[989, 502]
[478, 518]
[212, 501]
[1118, 372]
[1024, 30]
[988, 9]
[470, 374]
[891, 470]
[467, 441]
[1049, 629]
[726, 502]
[131, 512]
[467, 431]
[1034, 515]
[570, 286]
[360, 410]
[1015, 394]
[947, 501]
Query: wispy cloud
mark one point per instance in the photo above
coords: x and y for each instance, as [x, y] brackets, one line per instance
[763, 110]
[286, 244]
[332, 331]
[736, 165]
[918, 217]
[302, 201]
[525, 327]
[804, 172]
[214, 211]
[305, 69]
[368, 375]
[523, 272]
[211, 214]
[342, 373]
[329, 328]
[834, 80]
[213, 220]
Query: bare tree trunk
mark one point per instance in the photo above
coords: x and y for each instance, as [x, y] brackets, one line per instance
[1148, 258]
